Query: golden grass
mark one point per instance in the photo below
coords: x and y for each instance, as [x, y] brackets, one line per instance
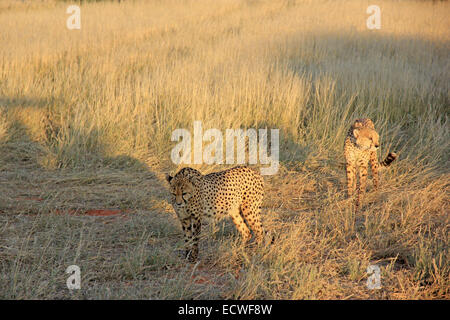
[85, 123]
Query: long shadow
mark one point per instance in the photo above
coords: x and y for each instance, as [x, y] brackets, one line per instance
[29, 185]
[23, 101]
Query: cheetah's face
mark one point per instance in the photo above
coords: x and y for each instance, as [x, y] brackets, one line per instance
[181, 191]
[366, 138]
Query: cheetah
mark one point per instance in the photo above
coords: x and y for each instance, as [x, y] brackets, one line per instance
[360, 148]
[237, 192]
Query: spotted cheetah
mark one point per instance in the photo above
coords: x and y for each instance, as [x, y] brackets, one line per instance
[360, 148]
[237, 192]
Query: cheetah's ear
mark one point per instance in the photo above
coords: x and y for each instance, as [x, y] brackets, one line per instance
[168, 177]
[358, 123]
[356, 133]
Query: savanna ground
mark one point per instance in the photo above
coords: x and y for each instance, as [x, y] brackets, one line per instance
[86, 118]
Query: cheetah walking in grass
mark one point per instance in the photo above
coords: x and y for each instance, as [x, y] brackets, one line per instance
[360, 149]
[237, 192]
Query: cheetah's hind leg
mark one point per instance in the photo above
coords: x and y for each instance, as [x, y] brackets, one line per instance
[240, 224]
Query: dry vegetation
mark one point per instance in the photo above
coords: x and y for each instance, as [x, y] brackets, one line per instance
[86, 118]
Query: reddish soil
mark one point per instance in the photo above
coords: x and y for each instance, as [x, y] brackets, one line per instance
[93, 212]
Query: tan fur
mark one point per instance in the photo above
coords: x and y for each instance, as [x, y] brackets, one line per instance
[237, 192]
[360, 149]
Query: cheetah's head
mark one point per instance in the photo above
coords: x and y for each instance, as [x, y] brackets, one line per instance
[366, 138]
[182, 189]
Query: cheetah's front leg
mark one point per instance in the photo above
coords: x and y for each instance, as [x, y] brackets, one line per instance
[191, 228]
[351, 178]
[362, 183]
[374, 167]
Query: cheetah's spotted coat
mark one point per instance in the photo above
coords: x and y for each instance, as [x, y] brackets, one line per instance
[360, 148]
[237, 192]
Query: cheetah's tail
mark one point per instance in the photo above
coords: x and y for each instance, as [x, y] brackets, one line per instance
[389, 159]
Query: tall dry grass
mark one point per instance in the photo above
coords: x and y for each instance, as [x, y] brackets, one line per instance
[77, 106]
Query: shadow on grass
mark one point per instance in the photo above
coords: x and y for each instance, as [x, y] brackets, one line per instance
[66, 168]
